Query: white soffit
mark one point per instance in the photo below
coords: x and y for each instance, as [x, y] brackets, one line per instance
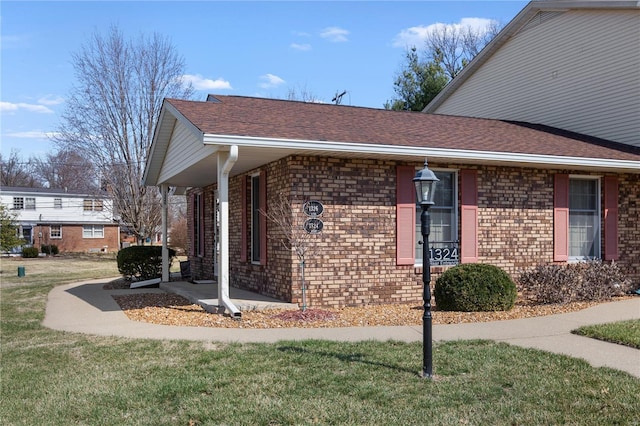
[342, 149]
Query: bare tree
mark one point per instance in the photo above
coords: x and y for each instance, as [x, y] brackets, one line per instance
[455, 46]
[302, 93]
[67, 170]
[296, 238]
[112, 110]
[14, 171]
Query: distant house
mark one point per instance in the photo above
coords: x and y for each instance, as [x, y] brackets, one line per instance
[505, 195]
[73, 221]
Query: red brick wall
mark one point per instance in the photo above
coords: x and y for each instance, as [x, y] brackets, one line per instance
[72, 240]
[356, 259]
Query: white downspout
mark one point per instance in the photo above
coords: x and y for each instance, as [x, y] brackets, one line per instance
[226, 160]
[164, 189]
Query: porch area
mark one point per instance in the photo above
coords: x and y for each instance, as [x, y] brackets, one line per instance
[204, 294]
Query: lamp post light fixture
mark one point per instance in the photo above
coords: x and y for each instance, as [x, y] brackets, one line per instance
[425, 182]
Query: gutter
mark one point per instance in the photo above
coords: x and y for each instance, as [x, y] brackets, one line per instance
[224, 168]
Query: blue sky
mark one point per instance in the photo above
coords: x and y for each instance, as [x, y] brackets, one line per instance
[233, 48]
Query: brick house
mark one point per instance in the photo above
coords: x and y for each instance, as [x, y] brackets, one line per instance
[511, 194]
[73, 221]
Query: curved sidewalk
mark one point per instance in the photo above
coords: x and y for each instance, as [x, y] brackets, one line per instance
[86, 308]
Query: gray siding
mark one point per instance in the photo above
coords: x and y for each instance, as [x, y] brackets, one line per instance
[578, 70]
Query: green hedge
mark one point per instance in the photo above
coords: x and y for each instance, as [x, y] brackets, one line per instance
[29, 252]
[475, 287]
[142, 262]
[51, 249]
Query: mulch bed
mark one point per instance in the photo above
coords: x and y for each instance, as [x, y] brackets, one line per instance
[171, 309]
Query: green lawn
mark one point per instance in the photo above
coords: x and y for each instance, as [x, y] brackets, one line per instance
[57, 378]
[622, 332]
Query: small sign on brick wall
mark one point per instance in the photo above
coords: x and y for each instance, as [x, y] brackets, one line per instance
[313, 208]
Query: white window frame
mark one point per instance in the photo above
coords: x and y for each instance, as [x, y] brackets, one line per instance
[18, 203]
[30, 203]
[92, 231]
[92, 205]
[455, 220]
[597, 253]
[58, 234]
[57, 203]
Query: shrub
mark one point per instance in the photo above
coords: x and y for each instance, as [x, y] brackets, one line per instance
[475, 287]
[547, 284]
[50, 249]
[142, 262]
[29, 252]
[584, 281]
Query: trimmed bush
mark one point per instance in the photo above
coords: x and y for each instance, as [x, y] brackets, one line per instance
[29, 252]
[475, 287]
[51, 249]
[583, 281]
[142, 262]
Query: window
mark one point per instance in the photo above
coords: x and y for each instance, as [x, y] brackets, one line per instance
[198, 225]
[29, 203]
[55, 231]
[92, 205]
[18, 203]
[584, 223]
[443, 237]
[255, 218]
[92, 231]
[27, 235]
[57, 203]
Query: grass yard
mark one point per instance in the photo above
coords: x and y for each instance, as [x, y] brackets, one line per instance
[56, 378]
[622, 332]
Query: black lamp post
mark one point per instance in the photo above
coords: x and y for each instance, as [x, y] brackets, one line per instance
[425, 182]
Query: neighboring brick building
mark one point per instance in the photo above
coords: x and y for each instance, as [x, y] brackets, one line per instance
[510, 195]
[73, 221]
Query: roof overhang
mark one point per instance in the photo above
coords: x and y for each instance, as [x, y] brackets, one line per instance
[259, 151]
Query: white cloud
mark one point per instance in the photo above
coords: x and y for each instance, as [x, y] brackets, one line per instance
[270, 80]
[303, 47]
[33, 134]
[14, 41]
[11, 107]
[201, 83]
[51, 100]
[335, 34]
[417, 36]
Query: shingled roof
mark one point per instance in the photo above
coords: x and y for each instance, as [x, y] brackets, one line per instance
[189, 135]
[303, 121]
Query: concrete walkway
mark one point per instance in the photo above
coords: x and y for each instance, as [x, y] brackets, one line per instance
[87, 308]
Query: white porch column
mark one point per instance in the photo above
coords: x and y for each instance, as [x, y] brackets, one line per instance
[164, 189]
[226, 160]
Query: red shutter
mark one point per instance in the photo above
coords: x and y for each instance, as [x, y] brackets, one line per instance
[201, 220]
[263, 218]
[611, 218]
[469, 216]
[561, 218]
[192, 233]
[244, 227]
[405, 216]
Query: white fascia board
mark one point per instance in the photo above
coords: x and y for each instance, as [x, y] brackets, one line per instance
[491, 157]
[159, 146]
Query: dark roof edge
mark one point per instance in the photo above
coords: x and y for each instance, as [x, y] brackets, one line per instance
[605, 143]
